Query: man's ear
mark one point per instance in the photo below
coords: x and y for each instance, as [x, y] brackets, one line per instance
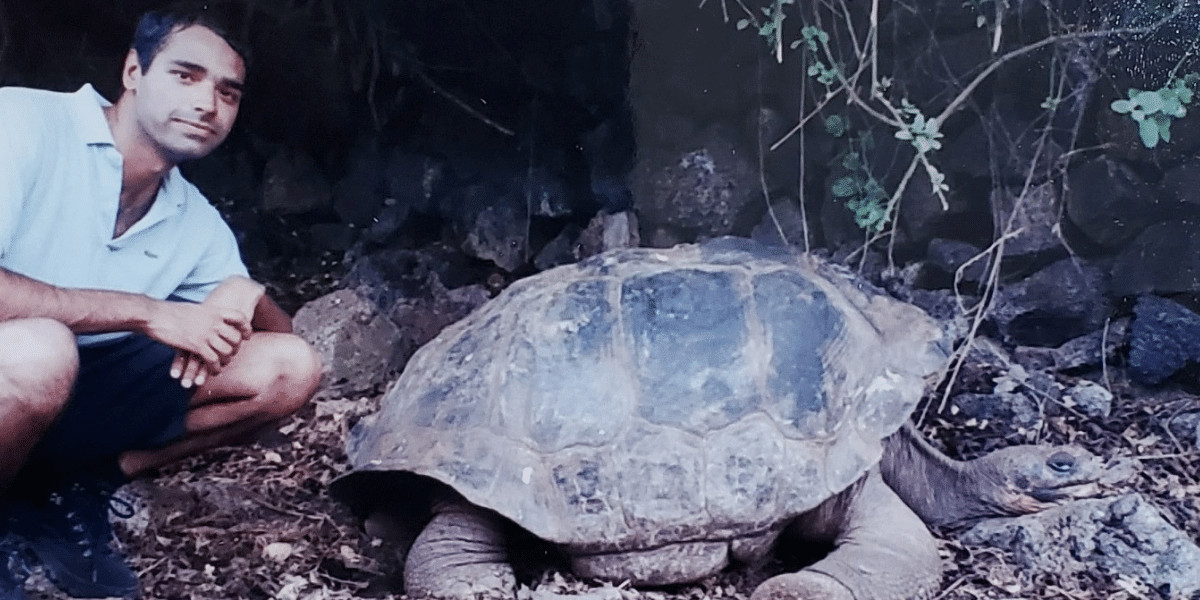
[131, 73]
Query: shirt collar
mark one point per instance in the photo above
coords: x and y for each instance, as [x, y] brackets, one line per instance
[89, 116]
[88, 107]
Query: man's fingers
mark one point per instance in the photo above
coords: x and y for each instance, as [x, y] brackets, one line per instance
[230, 335]
[223, 348]
[238, 320]
[178, 364]
[190, 372]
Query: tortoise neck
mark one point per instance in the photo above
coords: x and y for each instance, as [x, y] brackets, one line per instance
[939, 489]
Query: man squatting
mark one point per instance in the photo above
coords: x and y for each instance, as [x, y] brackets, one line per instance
[130, 334]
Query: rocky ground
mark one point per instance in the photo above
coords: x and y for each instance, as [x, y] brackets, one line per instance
[257, 522]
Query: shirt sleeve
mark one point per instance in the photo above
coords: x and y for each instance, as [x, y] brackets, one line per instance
[19, 143]
[221, 260]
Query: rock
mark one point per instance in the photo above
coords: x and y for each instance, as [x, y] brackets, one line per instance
[1085, 350]
[1017, 411]
[494, 226]
[1003, 145]
[1164, 337]
[921, 216]
[704, 189]
[546, 194]
[421, 319]
[1091, 398]
[356, 342]
[1033, 358]
[414, 180]
[604, 232]
[1123, 537]
[1164, 259]
[931, 78]
[1109, 203]
[1185, 427]
[949, 255]
[1062, 301]
[411, 289]
[1180, 182]
[1031, 219]
[562, 250]
[786, 228]
[609, 232]
[292, 184]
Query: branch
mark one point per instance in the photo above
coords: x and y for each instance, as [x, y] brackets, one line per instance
[462, 104]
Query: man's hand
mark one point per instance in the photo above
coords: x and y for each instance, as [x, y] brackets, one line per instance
[212, 333]
[237, 294]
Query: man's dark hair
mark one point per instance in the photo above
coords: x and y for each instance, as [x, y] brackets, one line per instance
[226, 19]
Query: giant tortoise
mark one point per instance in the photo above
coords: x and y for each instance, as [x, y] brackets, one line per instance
[659, 414]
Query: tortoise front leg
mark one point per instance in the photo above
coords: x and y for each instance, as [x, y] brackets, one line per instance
[460, 555]
[882, 550]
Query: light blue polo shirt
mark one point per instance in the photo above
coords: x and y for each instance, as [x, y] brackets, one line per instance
[60, 184]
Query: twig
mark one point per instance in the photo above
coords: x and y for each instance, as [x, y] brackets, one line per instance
[463, 105]
[1104, 354]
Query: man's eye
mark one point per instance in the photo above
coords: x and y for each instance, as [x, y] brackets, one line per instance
[183, 75]
[231, 96]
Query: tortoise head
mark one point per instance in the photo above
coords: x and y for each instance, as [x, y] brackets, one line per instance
[1025, 479]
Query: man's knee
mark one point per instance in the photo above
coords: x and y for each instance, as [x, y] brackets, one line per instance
[297, 369]
[39, 361]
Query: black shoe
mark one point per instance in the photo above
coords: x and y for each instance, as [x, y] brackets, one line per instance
[70, 534]
[14, 567]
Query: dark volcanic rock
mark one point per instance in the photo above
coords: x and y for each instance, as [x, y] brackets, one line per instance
[1165, 259]
[1063, 301]
[1165, 336]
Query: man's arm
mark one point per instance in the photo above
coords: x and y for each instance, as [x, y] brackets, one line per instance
[212, 333]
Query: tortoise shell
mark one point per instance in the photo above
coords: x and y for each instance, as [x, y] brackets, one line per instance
[645, 396]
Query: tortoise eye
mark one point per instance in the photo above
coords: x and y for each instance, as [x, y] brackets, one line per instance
[1061, 462]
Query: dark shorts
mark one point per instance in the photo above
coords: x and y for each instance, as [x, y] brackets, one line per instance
[124, 399]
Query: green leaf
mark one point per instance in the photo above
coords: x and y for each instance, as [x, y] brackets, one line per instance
[903, 134]
[1164, 128]
[1122, 106]
[742, 24]
[844, 187]
[1148, 130]
[1150, 102]
[851, 161]
[1171, 105]
[835, 125]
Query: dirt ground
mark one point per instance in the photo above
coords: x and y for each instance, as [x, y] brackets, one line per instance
[257, 522]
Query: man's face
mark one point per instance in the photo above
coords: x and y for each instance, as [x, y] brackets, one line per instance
[188, 98]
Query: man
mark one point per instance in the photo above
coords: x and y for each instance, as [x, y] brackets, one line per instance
[130, 335]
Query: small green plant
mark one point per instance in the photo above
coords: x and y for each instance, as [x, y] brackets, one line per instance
[771, 28]
[921, 131]
[863, 194]
[1154, 110]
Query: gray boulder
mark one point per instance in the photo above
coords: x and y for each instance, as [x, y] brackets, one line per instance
[1123, 536]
